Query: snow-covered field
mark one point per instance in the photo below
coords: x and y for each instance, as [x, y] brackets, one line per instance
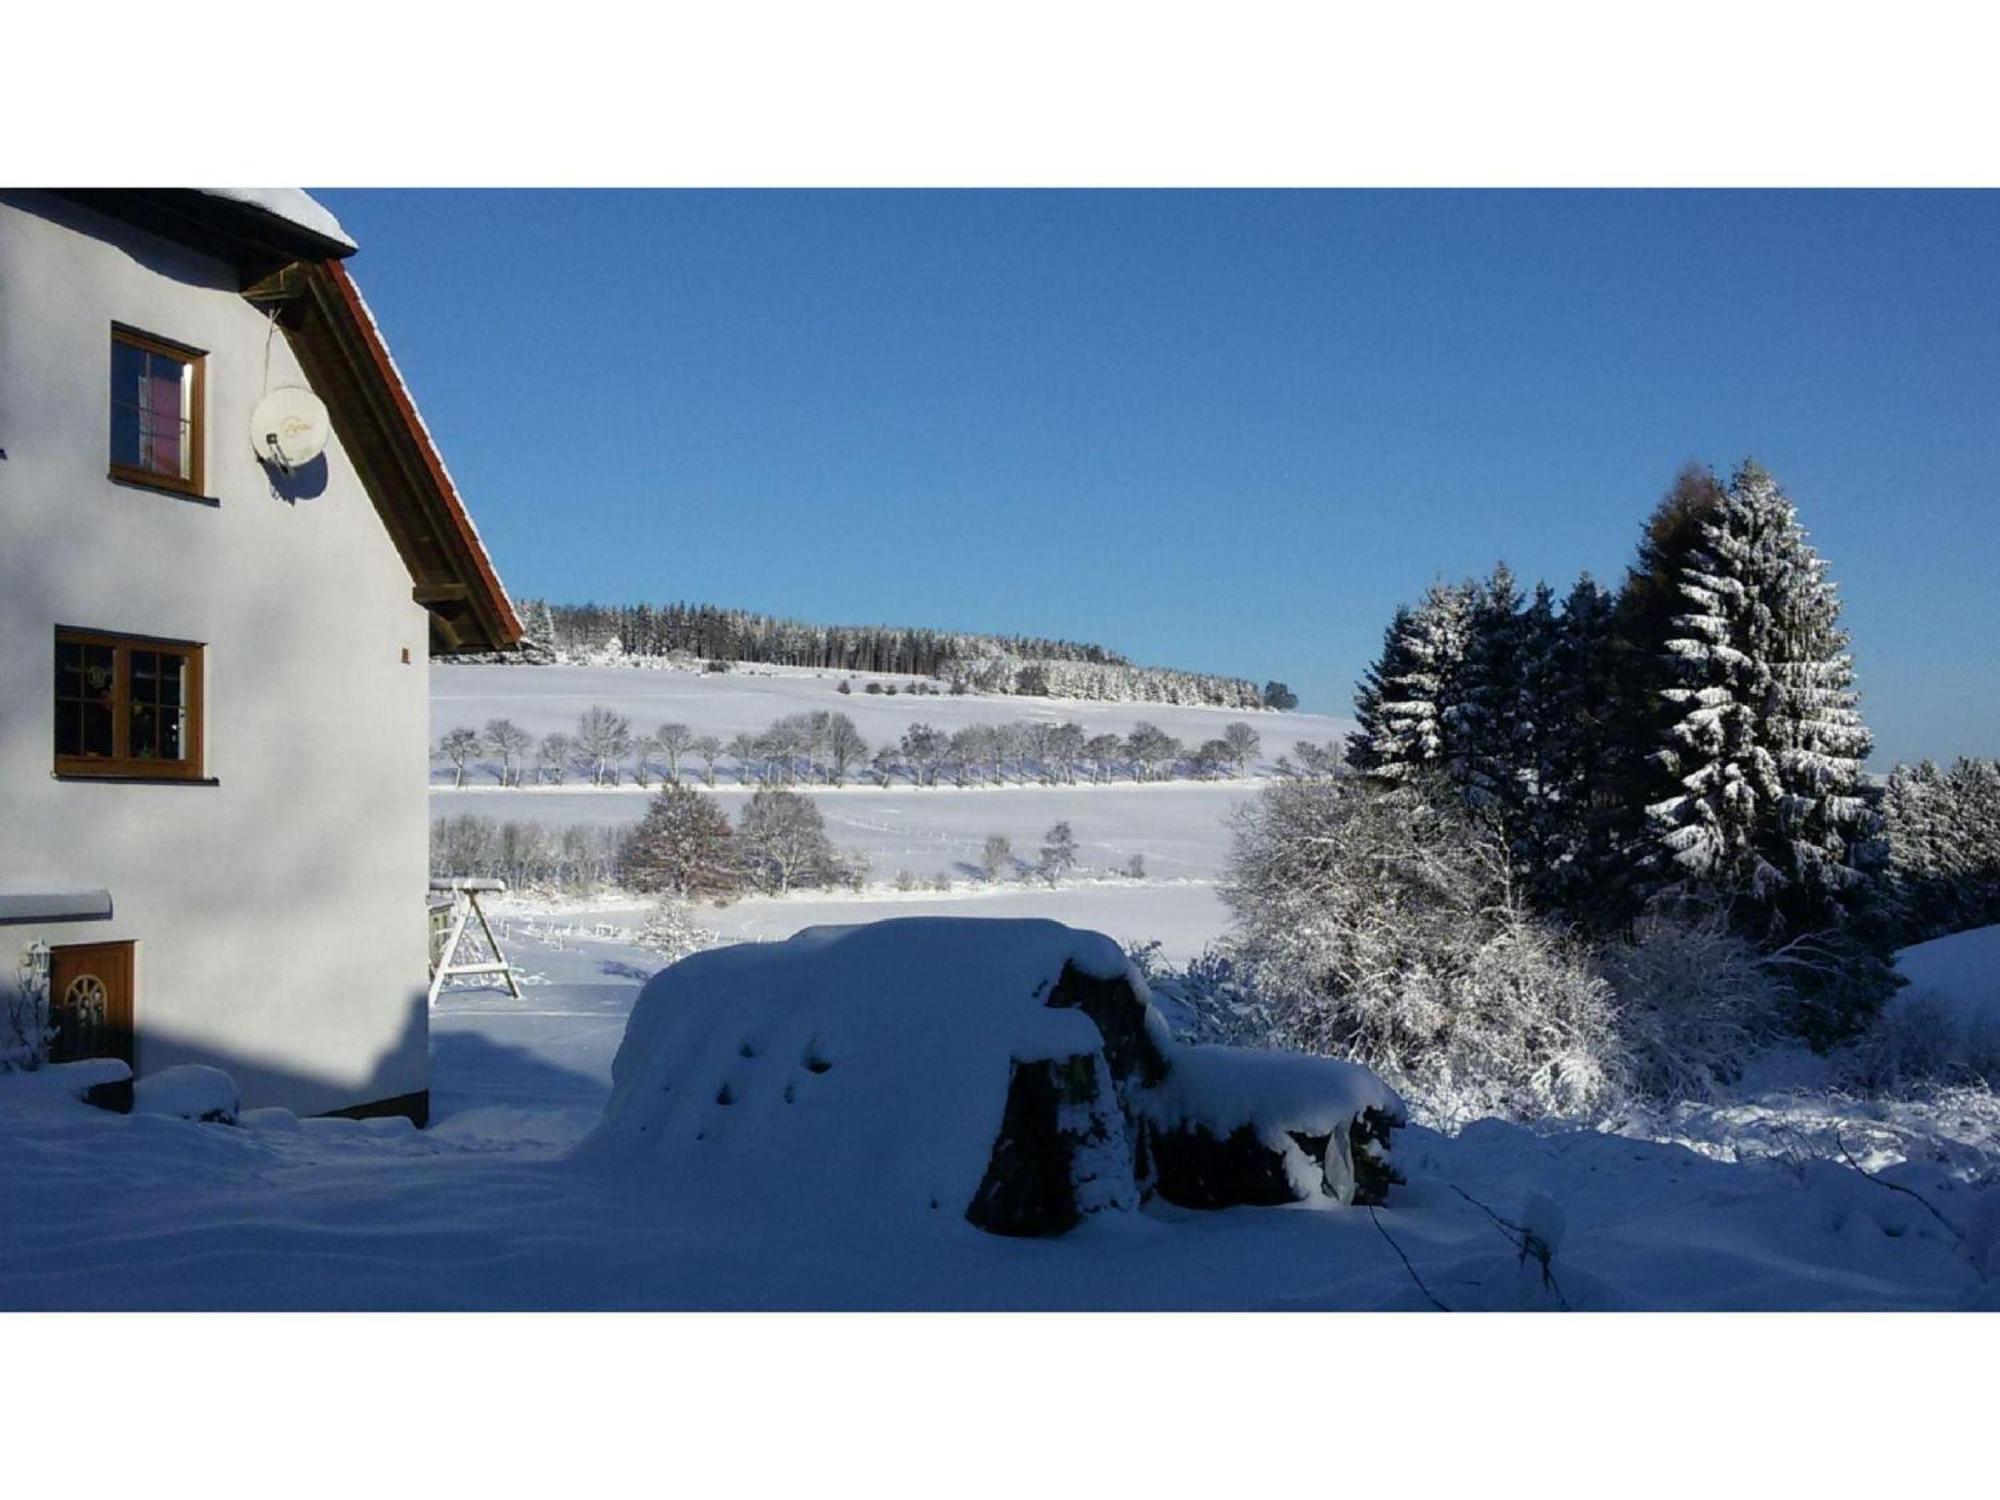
[1761, 1203]
[749, 699]
[1178, 828]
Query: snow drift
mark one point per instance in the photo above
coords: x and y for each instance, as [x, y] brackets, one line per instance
[1013, 1073]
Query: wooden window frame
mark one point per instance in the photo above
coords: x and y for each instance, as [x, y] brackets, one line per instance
[122, 765]
[197, 436]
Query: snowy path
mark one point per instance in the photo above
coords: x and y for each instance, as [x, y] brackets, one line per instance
[484, 1211]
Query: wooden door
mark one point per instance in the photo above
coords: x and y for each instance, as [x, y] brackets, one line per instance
[90, 1001]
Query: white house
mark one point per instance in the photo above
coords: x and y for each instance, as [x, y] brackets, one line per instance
[213, 708]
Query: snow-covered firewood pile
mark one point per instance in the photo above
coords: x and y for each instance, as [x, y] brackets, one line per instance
[1013, 1073]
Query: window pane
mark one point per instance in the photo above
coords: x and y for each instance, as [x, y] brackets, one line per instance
[145, 731]
[69, 669]
[172, 680]
[164, 378]
[128, 368]
[99, 672]
[125, 445]
[97, 728]
[173, 734]
[69, 728]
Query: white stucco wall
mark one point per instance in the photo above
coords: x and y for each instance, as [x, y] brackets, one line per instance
[278, 913]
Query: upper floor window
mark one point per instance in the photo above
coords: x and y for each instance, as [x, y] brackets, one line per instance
[127, 706]
[156, 416]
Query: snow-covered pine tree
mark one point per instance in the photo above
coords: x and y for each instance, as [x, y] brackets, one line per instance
[1405, 701]
[1642, 761]
[1486, 726]
[1570, 692]
[683, 845]
[1770, 811]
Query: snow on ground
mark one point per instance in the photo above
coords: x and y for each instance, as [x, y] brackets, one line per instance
[1184, 917]
[1178, 827]
[748, 699]
[1755, 1209]
[1955, 978]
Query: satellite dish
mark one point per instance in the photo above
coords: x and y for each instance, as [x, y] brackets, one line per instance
[289, 428]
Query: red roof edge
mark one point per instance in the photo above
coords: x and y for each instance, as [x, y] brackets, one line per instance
[484, 580]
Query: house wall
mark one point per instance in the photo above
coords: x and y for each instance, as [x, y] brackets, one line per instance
[278, 912]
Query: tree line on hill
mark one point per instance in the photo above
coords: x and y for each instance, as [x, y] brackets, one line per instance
[965, 662]
[1608, 843]
[825, 747]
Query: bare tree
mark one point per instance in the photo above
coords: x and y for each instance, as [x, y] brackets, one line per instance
[459, 746]
[844, 747]
[605, 738]
[1243, 743]
[674, 740]
[1151, 748]
[1058, 853]
[781, 839]
[924, 748]
[709, 748]
[748, 753]
[510, 742]
[552, 756]
[996, 854]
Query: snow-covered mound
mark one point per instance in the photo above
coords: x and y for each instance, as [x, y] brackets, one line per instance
[192, 1091]
[1961, 971]
[1011, 1072]
[1946, 1020]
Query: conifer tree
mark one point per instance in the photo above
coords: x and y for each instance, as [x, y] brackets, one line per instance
[1406, 701]
[683, 846]
[1485, 728]
[1571, 691]
[1768, 741]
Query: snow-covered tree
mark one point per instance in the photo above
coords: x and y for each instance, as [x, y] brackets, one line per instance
[781, 841]
[1405, 704]
[1243, 743]
[683, 845]
[996, 854]
[1058, 853]
[672, 931]
[1570, 832]
[1769, 742]
[925, 748]
[1151, 748]
[1943, 829]
[709, 749]
[604, 738]
[674, 740]
[552, 756]
[844, 748]
[510, 743]
[458, 746]
[1485, 727]
[1382, 924]
[1104, 753]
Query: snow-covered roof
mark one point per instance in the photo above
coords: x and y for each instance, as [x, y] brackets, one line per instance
[28, 900]
[294, 205]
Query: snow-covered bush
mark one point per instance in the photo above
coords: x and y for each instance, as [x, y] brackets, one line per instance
[1384, 926]
[1695, 1000]
[25, 1032]
[672, 931]
[1206, 1001]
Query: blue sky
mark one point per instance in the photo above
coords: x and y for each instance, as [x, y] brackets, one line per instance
[1226, 431]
